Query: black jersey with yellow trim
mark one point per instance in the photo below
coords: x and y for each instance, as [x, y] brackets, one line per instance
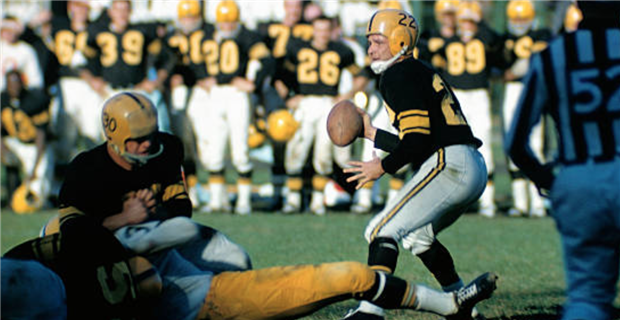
[227, 58]
[93, 266]
[424, 110]
[277, 36]
[522, 47]
[120, 58]
[21, 118]
[66, 44]
[318, 71]
[469, 64]
[431, 45]
[96, 186]
[187, 50]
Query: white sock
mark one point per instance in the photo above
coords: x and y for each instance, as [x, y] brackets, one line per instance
[368, 307]
[434, 301]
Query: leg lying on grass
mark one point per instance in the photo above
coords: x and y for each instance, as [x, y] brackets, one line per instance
[295, 291]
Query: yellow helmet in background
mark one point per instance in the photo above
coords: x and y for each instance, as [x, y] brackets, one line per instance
[521, 15]
[399, 27]
[227, 11]
[188, 8]
[446, 6]
[129, 115]
[389, 4]
[25, 201]
[572, 18]
[469, 10]
[281, 125]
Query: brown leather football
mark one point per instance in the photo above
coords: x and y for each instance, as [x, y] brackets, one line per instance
[344, 123]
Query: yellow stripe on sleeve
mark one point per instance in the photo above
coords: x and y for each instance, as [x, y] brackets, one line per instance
[416, 112]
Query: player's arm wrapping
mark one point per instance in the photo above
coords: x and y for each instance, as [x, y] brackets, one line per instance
[175, 200]
[407, 100]
[528, 113]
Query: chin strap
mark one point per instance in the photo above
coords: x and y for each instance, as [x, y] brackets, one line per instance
[142, 160]
[379, 67]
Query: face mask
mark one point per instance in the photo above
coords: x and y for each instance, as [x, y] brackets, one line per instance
[378, 67]
[466, 35]
[519, 28]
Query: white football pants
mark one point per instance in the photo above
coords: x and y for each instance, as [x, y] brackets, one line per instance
[312, 115]
[219, 117]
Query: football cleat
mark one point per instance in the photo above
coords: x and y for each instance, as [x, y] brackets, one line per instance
[480, 289]
[357, 314]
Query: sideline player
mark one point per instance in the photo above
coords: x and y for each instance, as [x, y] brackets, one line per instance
[519, 44]
[237, 63]
[25, 120]
[79, 101]
[470, 55]
[434, 138]
[432, 41]
[577, 81]
[118, 58]
[318, 65]
[185, 41]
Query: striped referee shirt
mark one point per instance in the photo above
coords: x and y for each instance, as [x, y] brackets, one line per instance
[577, 81]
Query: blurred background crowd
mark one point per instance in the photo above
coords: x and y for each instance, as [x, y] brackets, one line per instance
[247, 86]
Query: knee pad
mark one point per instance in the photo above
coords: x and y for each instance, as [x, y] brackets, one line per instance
[420, 240]
[383, 254]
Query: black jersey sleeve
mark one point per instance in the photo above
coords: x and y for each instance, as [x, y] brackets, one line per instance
[407, 95]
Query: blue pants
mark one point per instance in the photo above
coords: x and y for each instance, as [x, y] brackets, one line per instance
[586, 206]
[30, 291]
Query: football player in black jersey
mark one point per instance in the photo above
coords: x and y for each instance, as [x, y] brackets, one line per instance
[520, 43]
[80, 102]
[82, 273]
[185, 41]
[318, 65]
[135, 179]
[25, 119]
[119, 58]
[237, 63]
[432, 41]
[434, 138]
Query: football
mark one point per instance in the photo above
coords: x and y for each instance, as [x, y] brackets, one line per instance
[344, 123]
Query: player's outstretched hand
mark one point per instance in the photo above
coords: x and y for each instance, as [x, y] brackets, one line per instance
[365, 171]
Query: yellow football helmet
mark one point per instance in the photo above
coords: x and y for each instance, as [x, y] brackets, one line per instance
[389, 4]
[188, 8]
[398, 26]
[573, 18]
[25, 201]
[281, 125]
[255, 137]
[520, 16]
[129, 115]
[446, 6]
[227, 11]
[469, 10]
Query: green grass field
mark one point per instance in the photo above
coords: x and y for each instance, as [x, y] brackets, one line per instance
[525, 253]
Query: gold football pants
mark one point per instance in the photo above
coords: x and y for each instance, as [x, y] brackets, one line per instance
[284, 292]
